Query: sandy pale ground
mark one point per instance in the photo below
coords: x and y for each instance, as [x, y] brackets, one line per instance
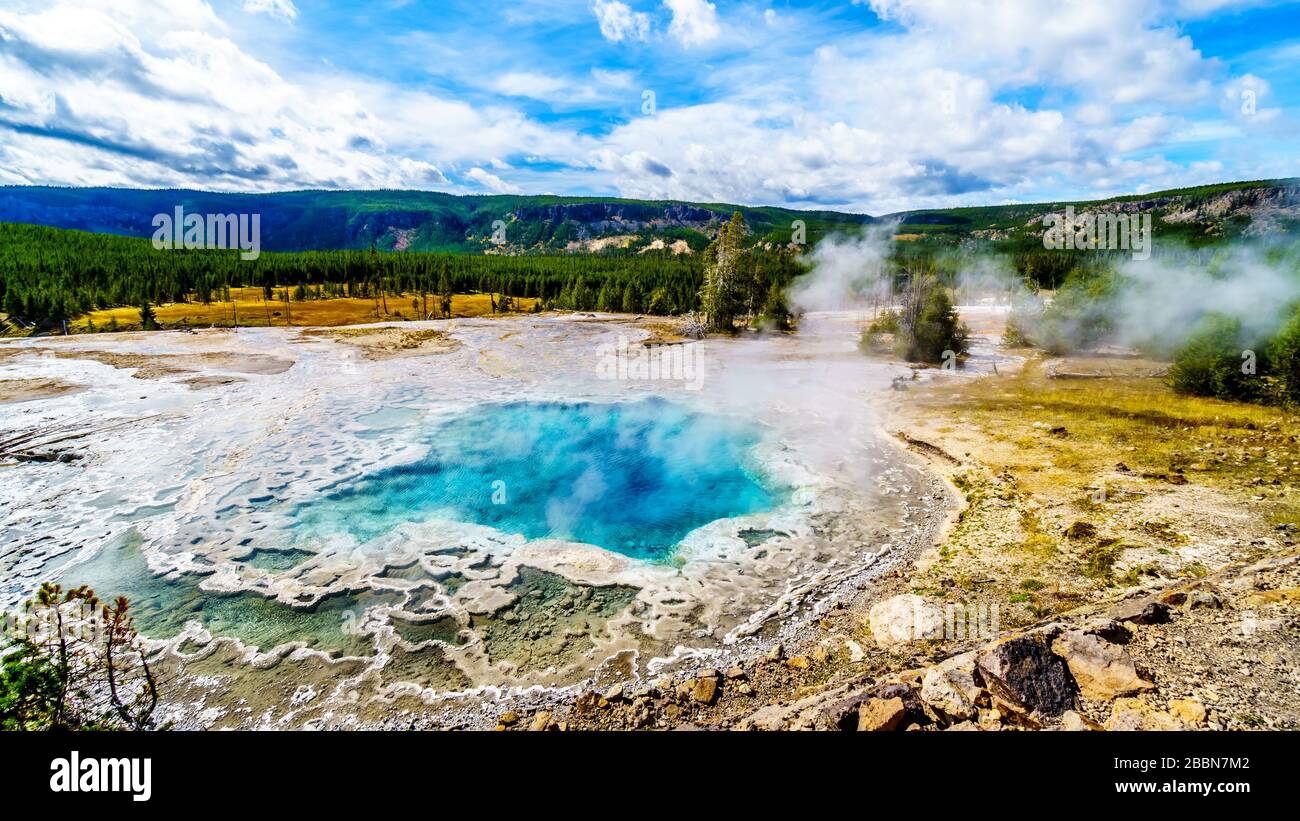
[28, 390]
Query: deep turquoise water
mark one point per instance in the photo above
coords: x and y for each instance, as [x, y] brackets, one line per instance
[632, 477]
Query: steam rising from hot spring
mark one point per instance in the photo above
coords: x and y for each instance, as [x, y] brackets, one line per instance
[1157, 302]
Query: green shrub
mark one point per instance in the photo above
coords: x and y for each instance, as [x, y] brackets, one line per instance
[930, 327]
[1284, 360]
[885, 323]
[75, 663]
[878, 336]
[1211, 363]
[1081, 315]
[1021, 330]
[1099, 560]
[775, 314]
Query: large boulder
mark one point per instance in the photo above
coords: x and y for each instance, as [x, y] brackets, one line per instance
[1143, 610]
[1102, 670]
[950, 688]
[1024, 675]
[881, 715]
[704, 689]
[905, 618]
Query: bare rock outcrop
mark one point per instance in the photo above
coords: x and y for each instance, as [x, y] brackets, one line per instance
[1102, 670]
[1027, 678]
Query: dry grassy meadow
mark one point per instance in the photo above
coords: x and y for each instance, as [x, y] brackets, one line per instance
[1077, 488]
[248, 309]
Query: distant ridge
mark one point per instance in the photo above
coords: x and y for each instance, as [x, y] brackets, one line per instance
[414, 220]
[397, 220]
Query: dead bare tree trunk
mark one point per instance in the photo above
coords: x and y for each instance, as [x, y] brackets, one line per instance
[117, 631]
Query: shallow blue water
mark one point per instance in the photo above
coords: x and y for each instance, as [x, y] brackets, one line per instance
[632, 477]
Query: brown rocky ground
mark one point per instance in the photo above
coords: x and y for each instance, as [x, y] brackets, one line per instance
[1125, 558]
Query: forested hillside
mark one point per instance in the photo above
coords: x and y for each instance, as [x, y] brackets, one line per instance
[421, 220]
[48, 274]
[432, 221]
[567, 252]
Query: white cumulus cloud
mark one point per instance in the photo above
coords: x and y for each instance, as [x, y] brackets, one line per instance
[695, 22]
[159, 95]
[618, 22]
[491, 181]
[284, 9]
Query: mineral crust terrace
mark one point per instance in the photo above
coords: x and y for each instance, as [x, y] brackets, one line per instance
[217, 448]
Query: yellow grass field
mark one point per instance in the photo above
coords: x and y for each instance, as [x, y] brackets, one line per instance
[251, 311]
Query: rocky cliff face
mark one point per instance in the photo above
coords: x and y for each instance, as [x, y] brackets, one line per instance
[1266, 209]
[560, 224]
[1261, 210]
[613, 215]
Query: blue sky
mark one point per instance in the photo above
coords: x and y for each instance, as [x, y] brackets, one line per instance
[863, 105]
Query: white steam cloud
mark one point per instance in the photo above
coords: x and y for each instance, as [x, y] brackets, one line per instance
[1163, 299]
[847, 273]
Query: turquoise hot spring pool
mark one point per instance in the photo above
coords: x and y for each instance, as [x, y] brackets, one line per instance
[631, 477]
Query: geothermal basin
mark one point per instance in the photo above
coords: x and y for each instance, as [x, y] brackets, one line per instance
[317, 528]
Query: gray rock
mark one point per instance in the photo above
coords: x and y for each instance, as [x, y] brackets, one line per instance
[950, 688]
[1143, 611]
[941, 695]
[1203, 600]
[962, 671]
[1108, 629]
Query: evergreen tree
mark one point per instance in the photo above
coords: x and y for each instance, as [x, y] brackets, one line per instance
[88, 673]
[608, 300]
[580, 297]
[148, 321]
[727, 263]
[775, 314]
[929, 329]
[444, 292]
[631, 299]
